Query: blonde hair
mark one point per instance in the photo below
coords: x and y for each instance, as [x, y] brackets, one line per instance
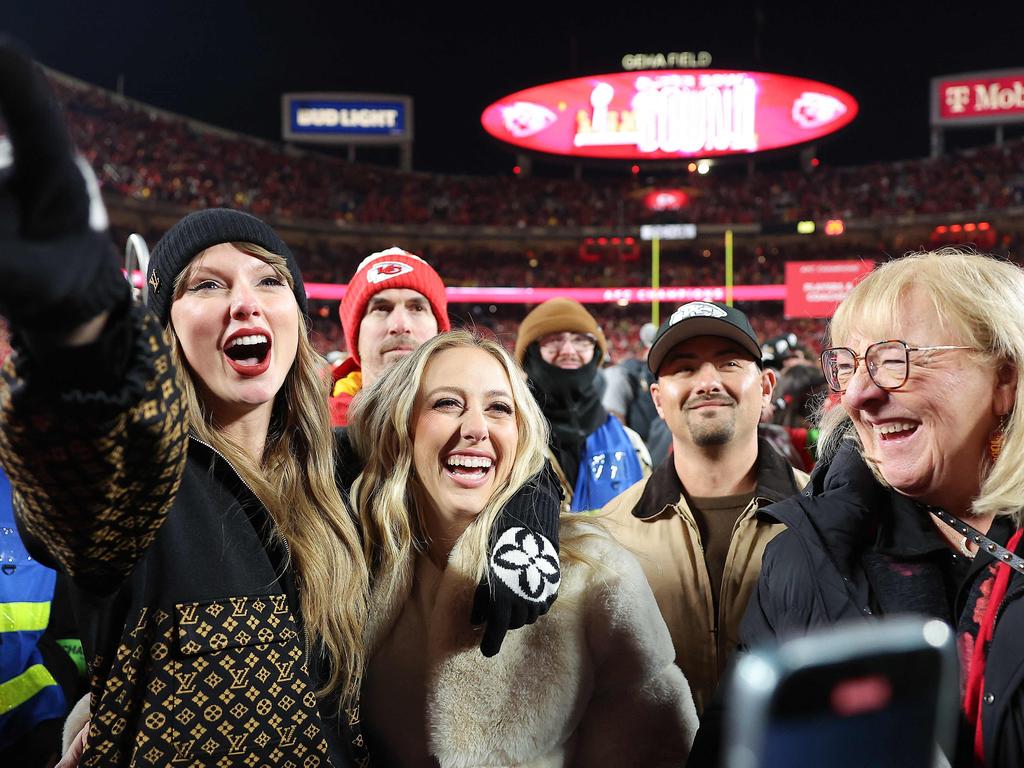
[979, 301]
[388, 497]
[296, 482]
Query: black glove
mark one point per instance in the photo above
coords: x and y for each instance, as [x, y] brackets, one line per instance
[523, 568]
[58, 267]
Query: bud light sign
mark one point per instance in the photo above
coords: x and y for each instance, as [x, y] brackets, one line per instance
[669, 114]
[346, 118]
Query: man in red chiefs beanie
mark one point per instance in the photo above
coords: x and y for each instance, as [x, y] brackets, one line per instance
[394, 303]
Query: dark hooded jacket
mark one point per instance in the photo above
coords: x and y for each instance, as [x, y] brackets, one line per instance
[826, 567]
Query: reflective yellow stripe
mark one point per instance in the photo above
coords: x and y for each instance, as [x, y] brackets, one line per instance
[24, 617]
[20, 689]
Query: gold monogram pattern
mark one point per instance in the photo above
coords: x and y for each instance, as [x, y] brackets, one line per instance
[96, 486]
[95, 474]
[201, 688]
[357, 744]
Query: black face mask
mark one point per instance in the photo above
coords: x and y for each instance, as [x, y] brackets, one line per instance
[571, 402]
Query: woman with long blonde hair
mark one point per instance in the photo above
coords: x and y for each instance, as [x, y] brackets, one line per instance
[593, 684]
[218, 571]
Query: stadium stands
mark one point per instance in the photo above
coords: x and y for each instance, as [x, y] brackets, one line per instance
[154, 166]
[151, 156]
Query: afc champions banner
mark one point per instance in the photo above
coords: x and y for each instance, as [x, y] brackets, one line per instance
[815, 288]
[669, 114]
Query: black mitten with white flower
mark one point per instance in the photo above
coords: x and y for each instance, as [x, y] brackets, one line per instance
[58, 267]
[523, 571]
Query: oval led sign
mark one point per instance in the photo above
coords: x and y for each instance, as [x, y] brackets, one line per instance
[669, 114]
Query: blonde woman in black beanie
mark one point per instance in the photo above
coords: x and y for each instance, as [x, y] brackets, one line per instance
[177, 463]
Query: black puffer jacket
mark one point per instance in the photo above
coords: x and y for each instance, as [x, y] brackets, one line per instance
[828, 525]
[814, 574]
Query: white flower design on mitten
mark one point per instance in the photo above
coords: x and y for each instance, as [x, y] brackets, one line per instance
[527, 564]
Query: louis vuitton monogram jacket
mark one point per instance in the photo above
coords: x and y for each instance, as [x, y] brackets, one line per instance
[189, 619]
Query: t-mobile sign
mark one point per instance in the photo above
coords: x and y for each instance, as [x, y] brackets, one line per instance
[978, 98]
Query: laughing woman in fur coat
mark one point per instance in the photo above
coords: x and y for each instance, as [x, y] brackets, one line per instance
[448, 435]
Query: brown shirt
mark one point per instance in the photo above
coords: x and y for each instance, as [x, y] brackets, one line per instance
[716, 519]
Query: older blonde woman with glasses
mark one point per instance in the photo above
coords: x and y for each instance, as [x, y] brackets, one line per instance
[916, 506]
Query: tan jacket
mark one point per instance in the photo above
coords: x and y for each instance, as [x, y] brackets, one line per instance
[654, 521]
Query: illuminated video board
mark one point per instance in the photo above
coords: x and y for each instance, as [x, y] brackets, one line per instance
[669, 114]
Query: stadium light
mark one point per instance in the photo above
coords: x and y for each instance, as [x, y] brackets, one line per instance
[834, 227]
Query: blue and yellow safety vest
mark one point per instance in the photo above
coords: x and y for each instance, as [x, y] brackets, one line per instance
[28, 692]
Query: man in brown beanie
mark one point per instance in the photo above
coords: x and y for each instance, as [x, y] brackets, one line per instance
[560, 346]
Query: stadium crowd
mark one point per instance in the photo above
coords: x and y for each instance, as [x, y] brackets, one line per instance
[157, 157]
[334, 259]
[146, 155]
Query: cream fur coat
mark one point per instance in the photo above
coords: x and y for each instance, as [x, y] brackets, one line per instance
[592, 683]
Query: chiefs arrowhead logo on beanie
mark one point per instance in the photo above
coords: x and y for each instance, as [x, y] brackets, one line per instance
[393, 268]
[387, 270]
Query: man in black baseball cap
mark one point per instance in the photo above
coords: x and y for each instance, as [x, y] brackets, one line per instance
[703, 318]
[694, 521]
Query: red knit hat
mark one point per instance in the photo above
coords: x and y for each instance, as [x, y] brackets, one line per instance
[393, 268]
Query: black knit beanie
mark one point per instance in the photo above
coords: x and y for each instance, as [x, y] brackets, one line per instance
[201, 230]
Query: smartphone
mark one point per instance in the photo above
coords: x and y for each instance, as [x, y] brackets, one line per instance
[878, 694]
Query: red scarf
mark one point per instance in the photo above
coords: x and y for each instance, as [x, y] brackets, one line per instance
[974, 690]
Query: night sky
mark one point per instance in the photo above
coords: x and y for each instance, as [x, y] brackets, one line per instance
[227, 62]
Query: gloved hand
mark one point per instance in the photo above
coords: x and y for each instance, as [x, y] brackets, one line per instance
[58, 267]
[523, 568]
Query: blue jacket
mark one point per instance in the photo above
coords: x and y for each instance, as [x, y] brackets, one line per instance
[608, 466]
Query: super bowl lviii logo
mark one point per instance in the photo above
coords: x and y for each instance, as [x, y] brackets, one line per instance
[669, 114]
